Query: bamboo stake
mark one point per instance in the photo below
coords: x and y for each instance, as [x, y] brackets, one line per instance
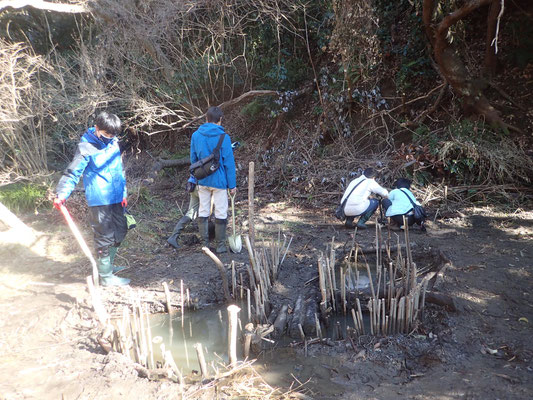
[167, 296]
[222, 271]
[360, 316]
[233, 310]
[242, 286]
[371, 312]
[302, 334]
[370, 280]
[329, 276]
[332, 265]
[144, 344]
[182, 302]
[149, 339]
[393, 315]
[383, 318]
[355, 322]
[343, 290]
[322, 279]
[248, 333]
[249, 305]
[233, 278]
[201, 360]
[318, 328]
[169, 360]
[378, 320]
[251, 177]
[98, 307]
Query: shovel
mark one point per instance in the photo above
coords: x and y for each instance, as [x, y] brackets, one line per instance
[235, 241]
[81, 242]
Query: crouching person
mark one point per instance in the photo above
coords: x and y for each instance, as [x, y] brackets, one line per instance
[400, 203]
[98, 160]
[359, 203]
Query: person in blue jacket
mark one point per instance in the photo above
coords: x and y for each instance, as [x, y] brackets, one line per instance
[190, 215]
[215, 186]
[98, 160]
[398, 204]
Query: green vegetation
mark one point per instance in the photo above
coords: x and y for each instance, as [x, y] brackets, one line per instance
[20, 197]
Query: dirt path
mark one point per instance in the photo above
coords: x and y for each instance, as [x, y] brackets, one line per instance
[48, 335]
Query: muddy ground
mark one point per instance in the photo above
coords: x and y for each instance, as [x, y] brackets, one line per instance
[483, 350]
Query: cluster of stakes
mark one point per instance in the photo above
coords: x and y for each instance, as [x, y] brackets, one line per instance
[393, 297]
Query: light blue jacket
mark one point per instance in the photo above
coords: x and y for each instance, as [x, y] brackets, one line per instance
[101, 166]
[400, 203]
[203, 142]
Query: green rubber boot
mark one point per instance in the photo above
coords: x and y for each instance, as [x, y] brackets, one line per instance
[361, 224]
[220, 235]
[112, 255]
[173, 239]
[203, 229]
[105, 270]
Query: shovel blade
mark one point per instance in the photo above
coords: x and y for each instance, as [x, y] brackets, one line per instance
[235, 243]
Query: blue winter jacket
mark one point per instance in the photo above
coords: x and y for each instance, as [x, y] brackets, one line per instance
[101, 166]
[203, 142]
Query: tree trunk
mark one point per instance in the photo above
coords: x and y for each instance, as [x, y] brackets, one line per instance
[451, 65]
[491, 60]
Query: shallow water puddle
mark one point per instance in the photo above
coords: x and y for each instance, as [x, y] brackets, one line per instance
[280, 365]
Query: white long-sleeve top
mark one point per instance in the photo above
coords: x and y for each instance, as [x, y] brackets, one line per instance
[358, 201]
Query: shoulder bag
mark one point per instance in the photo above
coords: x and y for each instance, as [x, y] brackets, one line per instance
[339, 212]
[207, 165]
[419, 213]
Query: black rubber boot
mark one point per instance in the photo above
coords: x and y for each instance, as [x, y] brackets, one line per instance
[203, 229]
[220, 235]
[349, 222]
[173, 239]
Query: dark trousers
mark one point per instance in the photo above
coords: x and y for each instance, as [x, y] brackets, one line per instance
[109, 227]
[386, 203]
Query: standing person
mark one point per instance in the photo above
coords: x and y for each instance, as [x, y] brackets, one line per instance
[190, 215]
[399, 204]
[359, 204]
[98, 160]
[215, 186]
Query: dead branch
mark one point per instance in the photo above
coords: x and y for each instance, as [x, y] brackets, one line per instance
[251, 93]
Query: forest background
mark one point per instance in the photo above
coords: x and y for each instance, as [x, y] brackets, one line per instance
[440, 91]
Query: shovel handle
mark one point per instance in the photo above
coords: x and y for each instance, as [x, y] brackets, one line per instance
[77, 234]
[232, 197]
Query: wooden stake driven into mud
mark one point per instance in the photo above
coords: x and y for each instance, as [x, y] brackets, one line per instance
[233, 310]
[222, 271]
[396, 297]
[201, 360]
[167, 297]
[251, 184]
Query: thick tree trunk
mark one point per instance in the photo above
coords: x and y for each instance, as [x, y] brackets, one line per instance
[491, 61]
[451, 65]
